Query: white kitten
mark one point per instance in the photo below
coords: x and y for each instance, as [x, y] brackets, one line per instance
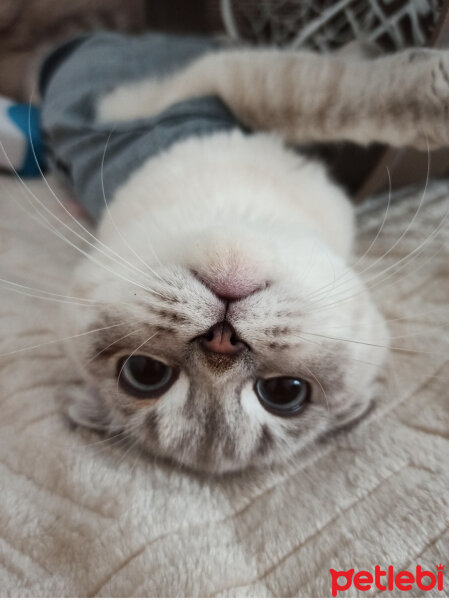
[233, 331]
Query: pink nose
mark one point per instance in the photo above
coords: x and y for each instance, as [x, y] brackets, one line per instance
[222, 339]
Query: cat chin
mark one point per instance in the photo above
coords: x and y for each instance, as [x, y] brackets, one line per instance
[253, 182]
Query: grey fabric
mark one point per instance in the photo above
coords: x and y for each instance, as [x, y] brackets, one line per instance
[77, 74]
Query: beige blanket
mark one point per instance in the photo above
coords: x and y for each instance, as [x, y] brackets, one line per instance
[81, 517]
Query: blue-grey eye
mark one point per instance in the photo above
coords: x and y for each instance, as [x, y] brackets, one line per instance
[145, 377]
[283, 396]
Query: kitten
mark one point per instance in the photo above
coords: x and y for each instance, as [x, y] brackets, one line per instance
[232, 331]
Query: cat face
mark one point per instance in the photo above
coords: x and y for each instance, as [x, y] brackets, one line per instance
[221, 340]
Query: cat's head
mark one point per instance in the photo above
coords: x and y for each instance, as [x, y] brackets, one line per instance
[225, 332]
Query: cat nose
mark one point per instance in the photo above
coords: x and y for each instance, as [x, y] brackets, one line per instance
[222, 339]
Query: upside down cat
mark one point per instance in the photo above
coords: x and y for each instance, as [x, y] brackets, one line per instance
[229, 329]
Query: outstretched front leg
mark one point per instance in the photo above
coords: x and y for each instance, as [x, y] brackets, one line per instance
[400, 99]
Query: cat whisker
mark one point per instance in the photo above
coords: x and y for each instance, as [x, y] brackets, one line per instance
[122, 437]
[404, 274]
[153, 251]
[12, 286]
[411, 222]
[70, 337]
[38, 218]
[319, 383]
[131, 355]
[46, 298]
[421, 332]
[133, 443]
[412, 334]
[405, 261]
[110, 215]
[101, 447]
[411, 318]
[365, 254]
[139, 455]
[382, 225]
[394, 274]
[336, 353]
[113, 439]
[395, 244]
[123, 337]
[413, 253]
[98, 243]
[50, 226]
[148, 241]
[374, 345]
[109, 442]
[88, 255]
[106, 440]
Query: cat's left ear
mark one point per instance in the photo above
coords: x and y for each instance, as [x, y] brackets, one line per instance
[84, 406]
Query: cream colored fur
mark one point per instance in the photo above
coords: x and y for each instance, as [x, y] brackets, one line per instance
[249, 211]
[249, 208]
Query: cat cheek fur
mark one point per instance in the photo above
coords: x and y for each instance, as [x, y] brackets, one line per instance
[281, 224]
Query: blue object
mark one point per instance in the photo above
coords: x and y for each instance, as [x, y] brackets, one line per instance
[27, 120]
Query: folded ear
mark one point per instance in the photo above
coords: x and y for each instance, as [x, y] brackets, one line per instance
[85, 407]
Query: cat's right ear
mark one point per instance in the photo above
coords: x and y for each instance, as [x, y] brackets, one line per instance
[84, 407]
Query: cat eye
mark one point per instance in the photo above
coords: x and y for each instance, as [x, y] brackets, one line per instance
[283, 396]
[145, 377]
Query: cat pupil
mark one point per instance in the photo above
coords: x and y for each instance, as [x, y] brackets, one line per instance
[282, 390]
[146, 370]
[282, 395]
[144, 376]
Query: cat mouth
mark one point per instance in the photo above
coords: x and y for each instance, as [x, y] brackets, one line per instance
[230, 287]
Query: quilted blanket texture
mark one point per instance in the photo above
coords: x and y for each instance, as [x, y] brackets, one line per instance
[81, 517]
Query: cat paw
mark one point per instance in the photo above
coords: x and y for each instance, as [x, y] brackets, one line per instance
[439, 89]
[431, 107]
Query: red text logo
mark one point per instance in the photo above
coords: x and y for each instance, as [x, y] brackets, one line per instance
[387, 579]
